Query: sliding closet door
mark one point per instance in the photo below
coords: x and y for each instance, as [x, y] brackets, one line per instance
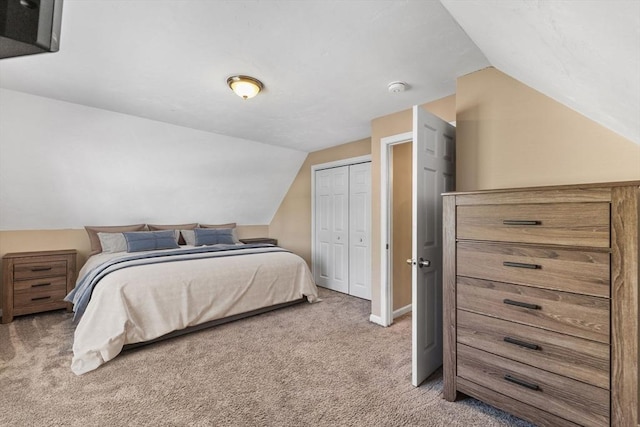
[359, 230]
[332, 228]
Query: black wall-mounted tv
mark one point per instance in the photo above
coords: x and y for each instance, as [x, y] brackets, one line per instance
[29, 26]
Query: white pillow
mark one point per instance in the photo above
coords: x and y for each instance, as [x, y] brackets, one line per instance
[112, 242]
[189, 237]
[234, 234]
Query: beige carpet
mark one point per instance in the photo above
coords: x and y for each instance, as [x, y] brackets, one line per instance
[318, 364]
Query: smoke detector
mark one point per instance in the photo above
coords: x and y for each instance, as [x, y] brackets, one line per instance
[395, 87]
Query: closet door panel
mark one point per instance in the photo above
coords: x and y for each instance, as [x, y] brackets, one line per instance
[332, 228]
[323, 272]
[359, 230]
[340, 232]
[323, 228]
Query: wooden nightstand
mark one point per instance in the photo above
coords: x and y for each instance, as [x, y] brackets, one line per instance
[33, 282]
[268, 240]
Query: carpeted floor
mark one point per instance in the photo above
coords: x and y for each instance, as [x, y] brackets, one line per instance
[318, 364]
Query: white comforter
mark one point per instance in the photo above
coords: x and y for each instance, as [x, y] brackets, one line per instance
[144, 302]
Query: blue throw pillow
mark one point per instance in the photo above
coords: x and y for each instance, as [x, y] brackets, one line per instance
[214, 236]
[150, 240]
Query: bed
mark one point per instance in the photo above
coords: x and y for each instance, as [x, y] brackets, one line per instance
[125, 299]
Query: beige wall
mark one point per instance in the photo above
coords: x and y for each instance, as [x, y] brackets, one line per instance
[509, 135]
[401, 208]
[291, 224]
[45, 240]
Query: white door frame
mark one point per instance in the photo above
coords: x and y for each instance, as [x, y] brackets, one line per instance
[386, 291]
[314, 168]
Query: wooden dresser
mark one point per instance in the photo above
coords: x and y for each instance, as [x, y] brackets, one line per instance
[33, 282]
[541, 302]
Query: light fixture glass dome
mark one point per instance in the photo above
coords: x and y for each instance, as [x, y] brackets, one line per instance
[244, 86]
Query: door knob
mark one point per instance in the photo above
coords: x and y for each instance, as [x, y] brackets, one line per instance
[424, 263]
[411, 262]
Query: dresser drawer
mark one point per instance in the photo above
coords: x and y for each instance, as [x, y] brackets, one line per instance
[40, 284]
[580, 224]
[585, 272]
[578, 315]
[574, 400]
[583, 360]
[33, 270]
[38, 299]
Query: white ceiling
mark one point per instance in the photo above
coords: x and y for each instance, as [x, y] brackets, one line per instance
[326, 64]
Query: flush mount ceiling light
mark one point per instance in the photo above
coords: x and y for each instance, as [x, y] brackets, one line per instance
[244, 86]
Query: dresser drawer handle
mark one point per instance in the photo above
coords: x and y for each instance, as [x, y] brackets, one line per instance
[521, 343]
[522, 382]
[39, 285]
[521, 265]
[41, 268]
[520, 222]
[40, 298]
[522, 304]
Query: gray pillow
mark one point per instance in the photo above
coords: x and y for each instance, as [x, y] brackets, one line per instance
[150, 240]
[112, 242]
[213, 236]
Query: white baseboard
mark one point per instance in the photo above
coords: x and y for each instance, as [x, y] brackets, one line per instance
[403, 310]
[377, 320]
[396, 313]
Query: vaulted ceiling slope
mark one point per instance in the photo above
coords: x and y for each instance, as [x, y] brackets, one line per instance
[584, 54]
[326, 64]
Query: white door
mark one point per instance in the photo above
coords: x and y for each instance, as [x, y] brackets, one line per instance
[433, 174]
[332, 225]
[359, 230]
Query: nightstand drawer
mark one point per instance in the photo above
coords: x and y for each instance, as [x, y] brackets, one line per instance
[40, 284]
[577, 358]
[576, 401]
[578, 315]
[38, 299]
[584, 272]
[34, 270]
[580, 224]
